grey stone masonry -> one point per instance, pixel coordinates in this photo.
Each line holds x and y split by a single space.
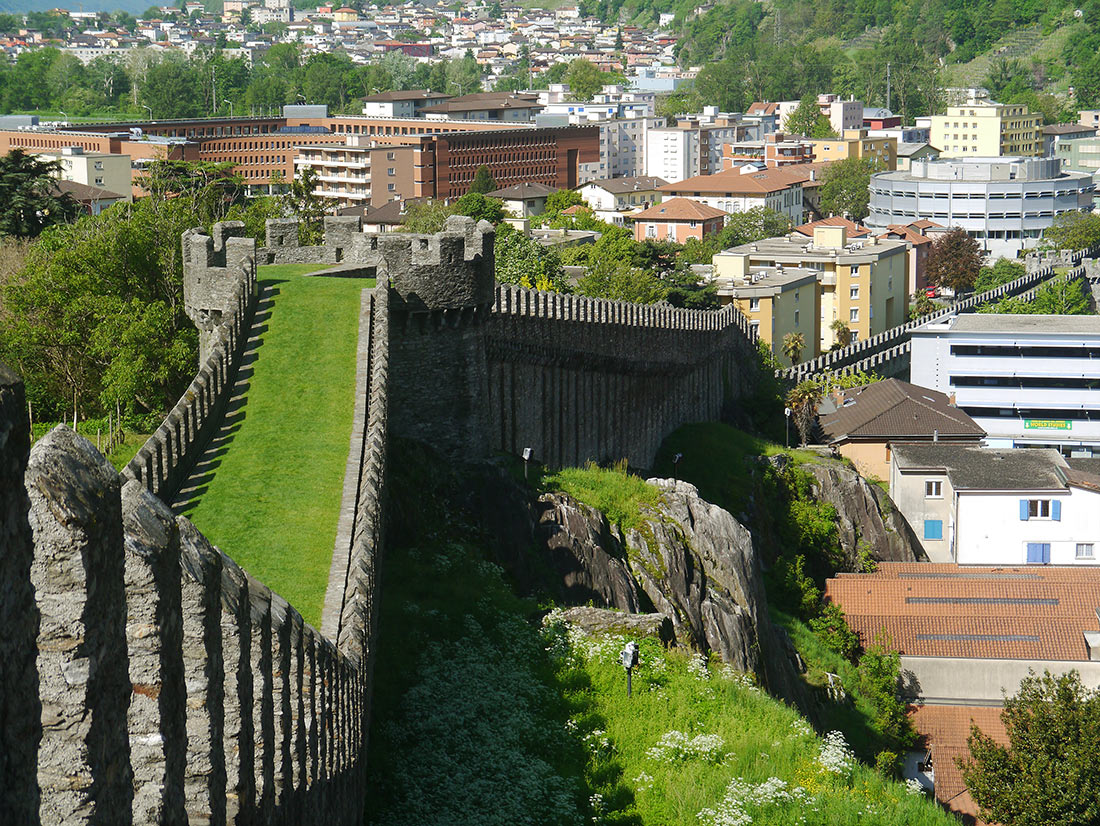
83 761
20 707
344 243
213 269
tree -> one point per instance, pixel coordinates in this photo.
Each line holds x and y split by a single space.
426 216
920 304
807 119
1059 296
621 281
846 188
793 345
1048 772
477 206
557 201
1073 231
1002 272
841 332
29 198
171 90
584 79
954 260
483 181
301 202
803 400
524 261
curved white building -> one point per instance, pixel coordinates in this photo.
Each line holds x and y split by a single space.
1005 203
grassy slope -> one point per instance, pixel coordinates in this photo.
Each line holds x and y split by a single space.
274 500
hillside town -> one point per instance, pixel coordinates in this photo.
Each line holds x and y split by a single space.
922 288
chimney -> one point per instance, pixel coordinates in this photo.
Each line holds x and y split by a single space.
935 435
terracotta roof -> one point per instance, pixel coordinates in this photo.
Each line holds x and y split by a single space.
408 94
679 209
924 223
895 409
854 229
576 209
944 730
975 612
733 181
762 108
905 233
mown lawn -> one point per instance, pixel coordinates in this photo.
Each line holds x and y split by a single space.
274 498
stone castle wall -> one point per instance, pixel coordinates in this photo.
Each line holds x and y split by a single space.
145 678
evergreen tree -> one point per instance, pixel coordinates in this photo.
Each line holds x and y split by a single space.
483 181
29 198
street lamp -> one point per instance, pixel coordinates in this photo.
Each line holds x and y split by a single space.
148 109
526 459
227 100
629 659
787 414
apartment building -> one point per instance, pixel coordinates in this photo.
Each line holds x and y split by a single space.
1028 380
745 188
984 130
862 283
694 146
100 170
615 199
856 143
354 174
777 301
491 106
677 219
1005 203
401 104
775 150
1056 134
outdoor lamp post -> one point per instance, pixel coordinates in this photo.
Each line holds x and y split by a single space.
629 659
675 464
526 459
787 428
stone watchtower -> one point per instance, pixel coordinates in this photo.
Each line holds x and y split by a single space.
441 289
213 270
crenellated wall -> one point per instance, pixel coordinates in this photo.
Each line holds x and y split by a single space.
344 243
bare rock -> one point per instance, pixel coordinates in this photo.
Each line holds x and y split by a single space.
603 621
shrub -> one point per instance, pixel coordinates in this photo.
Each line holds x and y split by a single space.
879 675
794 589
833 630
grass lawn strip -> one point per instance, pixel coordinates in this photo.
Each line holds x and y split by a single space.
274 500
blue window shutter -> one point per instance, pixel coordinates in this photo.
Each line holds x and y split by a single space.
1034 552
1046 553
1056 509
1023 510
933 529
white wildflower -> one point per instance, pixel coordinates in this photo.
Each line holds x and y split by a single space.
835 756
675 745
914 786
698 667
801 728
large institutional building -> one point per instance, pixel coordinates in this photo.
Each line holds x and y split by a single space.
987 129
1005 203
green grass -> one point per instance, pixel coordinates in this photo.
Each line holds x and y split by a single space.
621 496
718 459
274 499
124 451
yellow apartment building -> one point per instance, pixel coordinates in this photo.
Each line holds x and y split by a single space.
987 130
855 143
777 301
862 283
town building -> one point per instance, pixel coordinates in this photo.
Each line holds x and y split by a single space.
985 506
856 143
778 301
677 219
406 104
775 150
987 129
614 200
1079 154
864 423
1057 133
909 152
1027 380
524 200
862 283
492 106
967 636
745 188
919 236
100 170
694 145
1005 203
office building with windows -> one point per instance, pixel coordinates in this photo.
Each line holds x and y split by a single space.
1027 380
1005 203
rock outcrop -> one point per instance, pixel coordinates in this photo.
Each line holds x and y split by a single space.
605 621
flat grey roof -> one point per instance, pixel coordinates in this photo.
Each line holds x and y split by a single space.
977 468
1011 323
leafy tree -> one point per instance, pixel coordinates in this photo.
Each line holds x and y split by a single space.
557 201
1002 272
301 201
954 260
1048 772
920 304
477 206
523 261
463 76
793 588
426 216
741 228
879 679
845 188
483 181
584 79
29 198
803 400
171 90
1059 296
1073 231
793 345
619 280
807 119
255 212
833 630
208 189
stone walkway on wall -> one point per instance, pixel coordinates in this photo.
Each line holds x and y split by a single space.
337 578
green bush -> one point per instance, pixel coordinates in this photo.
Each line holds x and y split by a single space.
833 630
793 589
879 677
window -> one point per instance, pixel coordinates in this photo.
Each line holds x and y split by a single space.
933 529
754 304
853 315
1038 553
390 156
391 171
1084 550
391 187
99 182
933 490
796 318
853 293
651 231
1040 509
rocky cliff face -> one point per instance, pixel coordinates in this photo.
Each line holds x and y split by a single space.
690 561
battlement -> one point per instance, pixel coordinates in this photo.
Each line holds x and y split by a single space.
344 242
213 270
451 270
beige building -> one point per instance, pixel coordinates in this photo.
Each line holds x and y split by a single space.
778 301
352 174
856 143
94 169
987 130
863 284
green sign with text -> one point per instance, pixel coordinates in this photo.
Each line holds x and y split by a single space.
1048 424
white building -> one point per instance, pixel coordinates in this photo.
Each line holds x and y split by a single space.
981 506
1005 203
694 146
94 169
615 198
1028 380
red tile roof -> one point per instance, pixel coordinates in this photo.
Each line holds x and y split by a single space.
679 209
944 730
947 610
733 181
854 229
